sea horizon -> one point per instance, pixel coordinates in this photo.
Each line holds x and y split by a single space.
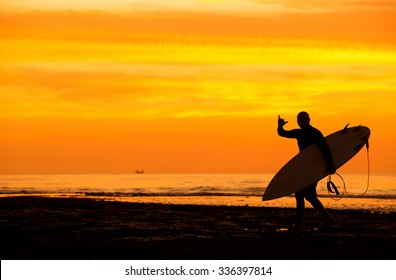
230 189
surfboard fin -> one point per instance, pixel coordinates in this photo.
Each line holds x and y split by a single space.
357 128
345 128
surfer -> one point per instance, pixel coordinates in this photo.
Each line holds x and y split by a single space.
306 136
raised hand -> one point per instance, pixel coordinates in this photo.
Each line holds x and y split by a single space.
281 122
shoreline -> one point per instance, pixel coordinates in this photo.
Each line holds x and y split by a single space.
374 204
82 228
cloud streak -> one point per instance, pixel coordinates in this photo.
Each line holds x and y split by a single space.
158 91
235 7
99 65
157 79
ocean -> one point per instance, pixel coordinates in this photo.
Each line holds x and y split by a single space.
208 189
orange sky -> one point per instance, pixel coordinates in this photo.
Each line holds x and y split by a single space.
190 86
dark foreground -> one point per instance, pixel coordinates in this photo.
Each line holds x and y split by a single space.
66 228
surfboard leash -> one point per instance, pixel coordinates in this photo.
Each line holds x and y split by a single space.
368 168
331 187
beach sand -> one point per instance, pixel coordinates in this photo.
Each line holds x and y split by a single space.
70 228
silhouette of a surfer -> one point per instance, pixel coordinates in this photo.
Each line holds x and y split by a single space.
306 136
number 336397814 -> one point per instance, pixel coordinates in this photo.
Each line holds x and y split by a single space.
245 270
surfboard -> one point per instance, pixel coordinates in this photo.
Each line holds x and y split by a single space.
309 166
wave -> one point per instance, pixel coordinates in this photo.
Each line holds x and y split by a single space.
118 194
204 192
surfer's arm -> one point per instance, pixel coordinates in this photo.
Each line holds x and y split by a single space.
328 156
287 133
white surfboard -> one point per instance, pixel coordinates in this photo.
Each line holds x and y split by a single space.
310 165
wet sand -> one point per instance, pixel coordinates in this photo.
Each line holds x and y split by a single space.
67 228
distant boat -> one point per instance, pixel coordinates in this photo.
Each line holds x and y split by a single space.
139 171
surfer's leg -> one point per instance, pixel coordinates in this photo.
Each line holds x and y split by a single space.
312 197
300 204
319 207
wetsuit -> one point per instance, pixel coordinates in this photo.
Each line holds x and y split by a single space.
305 137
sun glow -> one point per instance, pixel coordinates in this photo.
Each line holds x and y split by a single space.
191 78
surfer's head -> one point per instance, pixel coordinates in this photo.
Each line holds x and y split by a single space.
303 119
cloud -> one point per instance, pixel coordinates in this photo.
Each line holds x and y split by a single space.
191 28
128 6
328 6
100 65
235 7
181 91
